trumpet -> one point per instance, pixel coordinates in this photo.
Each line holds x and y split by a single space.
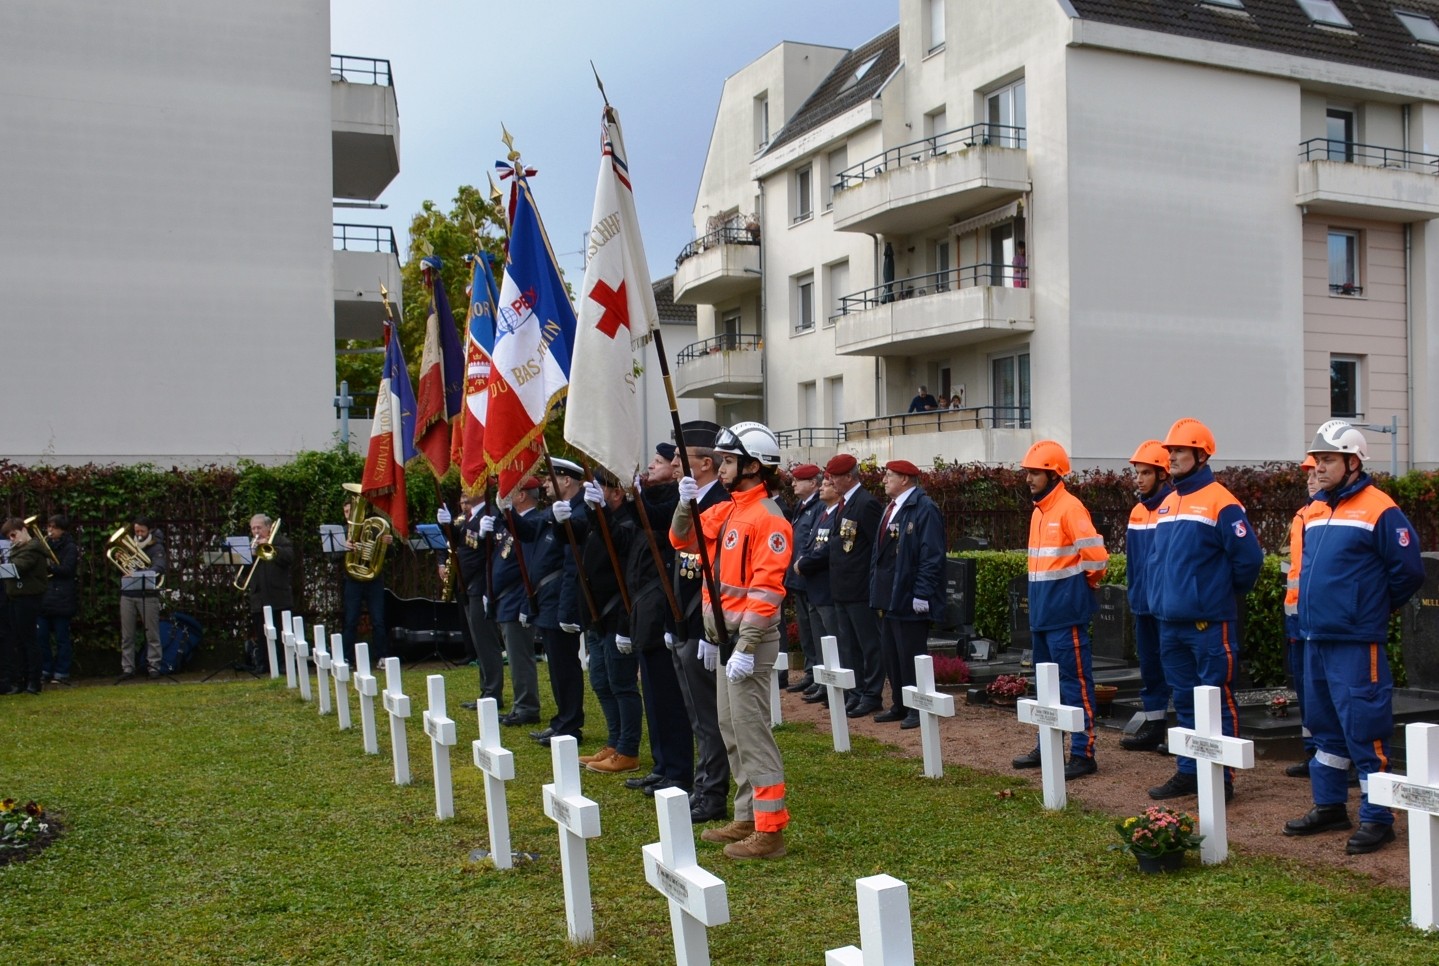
366 536
33 525
259 551
128 554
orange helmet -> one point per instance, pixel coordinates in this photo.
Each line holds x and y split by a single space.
1046 455
1192 433
1308 462
1151 452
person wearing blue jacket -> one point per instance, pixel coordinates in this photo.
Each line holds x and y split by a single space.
1205 558
1360 563
906 581
509 603
803 516
1151 473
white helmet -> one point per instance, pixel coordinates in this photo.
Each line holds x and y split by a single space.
1338 436
749 440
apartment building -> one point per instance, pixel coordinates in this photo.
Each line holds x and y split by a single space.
1082 219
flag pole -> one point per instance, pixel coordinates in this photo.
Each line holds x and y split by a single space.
574 543
604 525
655 554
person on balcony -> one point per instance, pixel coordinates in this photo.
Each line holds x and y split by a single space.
923 401
1019 266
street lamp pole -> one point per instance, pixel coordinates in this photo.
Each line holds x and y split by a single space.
1392 429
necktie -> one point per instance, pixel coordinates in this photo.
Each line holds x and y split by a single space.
888 513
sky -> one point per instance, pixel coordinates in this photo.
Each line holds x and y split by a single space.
463 67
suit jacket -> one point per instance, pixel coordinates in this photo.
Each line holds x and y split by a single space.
851 548
803 520
909 560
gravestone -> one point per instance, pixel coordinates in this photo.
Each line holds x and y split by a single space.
781 664
957 617
1419 794
578 819
322 669
835 679
441 730
1053 719
302 659
1211 750
270 636
969 543
397 704
341 672
1420 622
697 898
1112 635
287 638
366 687
932 704
498 765
1019 636
885 935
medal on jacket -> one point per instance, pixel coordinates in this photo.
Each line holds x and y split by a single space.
821 536
472 539
847 532
894 530
507 547
689 565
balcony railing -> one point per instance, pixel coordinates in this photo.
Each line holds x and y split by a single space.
810 436
729 235
720 343
1331 149
365 238
361 70
998 135
939 421
918 286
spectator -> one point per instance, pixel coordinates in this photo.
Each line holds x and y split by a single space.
922 401
1019 266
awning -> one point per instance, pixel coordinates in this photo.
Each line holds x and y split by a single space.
994 217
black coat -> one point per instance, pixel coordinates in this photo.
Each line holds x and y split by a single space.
803 521
61 597
271 583
851 548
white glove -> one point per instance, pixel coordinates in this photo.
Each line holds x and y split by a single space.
570 628
524 619
689 490
624 645
487 526
669 640
594 496
708 655
639 482
561 511
740 666
442 516
920 605
505 504
485 603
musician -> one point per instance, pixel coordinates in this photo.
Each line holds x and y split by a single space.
140 600
270 584
366 594
24 590
60 602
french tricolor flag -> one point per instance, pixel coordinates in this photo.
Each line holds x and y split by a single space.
392 437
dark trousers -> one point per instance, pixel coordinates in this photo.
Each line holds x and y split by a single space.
901 642
24 612
614 677
489 653
701 697
806 616
56 664
858 634
1154 687
671 738
370 595
1069 648
567 681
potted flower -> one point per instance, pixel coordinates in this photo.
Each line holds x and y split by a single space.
1006 689
1158 838
1279 706
24 830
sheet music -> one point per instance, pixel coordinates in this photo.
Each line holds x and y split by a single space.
332 538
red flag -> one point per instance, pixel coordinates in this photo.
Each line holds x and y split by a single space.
441 374
469 440
391 438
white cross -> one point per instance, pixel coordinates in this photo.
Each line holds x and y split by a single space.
1419 794
835 679
578 819
302 659
697 898
884 929
1212 750
366 687
287 635
270 642
322 669
498 765
341 671
1053 719
441 729
932 704
397 703
781 663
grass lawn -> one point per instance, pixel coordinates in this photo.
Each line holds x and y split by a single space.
229 823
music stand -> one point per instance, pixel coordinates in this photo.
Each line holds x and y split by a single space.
146 582
332 539
429 538
234 552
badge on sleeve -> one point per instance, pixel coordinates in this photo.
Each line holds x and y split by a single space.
1240 530
777 542
1403 534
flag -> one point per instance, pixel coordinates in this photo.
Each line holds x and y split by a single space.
391 437
617 317
441 375
534 340
469 441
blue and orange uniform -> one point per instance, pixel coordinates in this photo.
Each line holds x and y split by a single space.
1139 542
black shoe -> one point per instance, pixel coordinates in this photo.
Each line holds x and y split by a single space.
1322 818
1027 760
662 783
1300 769
851 701
644 781
863 708
1150 736
803 684
154 675
911 720
125 675
711 812
549 733
1371 837
543 737
33 689
815 697
513 720
1178 786
469 705
1079 766
893 714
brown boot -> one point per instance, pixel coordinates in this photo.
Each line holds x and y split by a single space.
615 764
760 845
733 832
600 755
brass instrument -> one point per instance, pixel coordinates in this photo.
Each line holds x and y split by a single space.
33 525
259 551
128 554
366 535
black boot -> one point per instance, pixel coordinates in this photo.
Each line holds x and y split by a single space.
1371 837
1300 769
1178 786
1320 818
1151 735
1030 760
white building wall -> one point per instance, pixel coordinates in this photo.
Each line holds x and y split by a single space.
165 185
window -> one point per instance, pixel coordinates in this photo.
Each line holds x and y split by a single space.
730 329
941 265
1344 387
1339 131
934 25
1421 26
1005 112
835 162
836 288
834 389
1344 263
1009 389
761 121
804 302
859 73
1324 12
1234 4
803 196
808 404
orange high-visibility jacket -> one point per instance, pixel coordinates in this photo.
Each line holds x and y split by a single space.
1067 560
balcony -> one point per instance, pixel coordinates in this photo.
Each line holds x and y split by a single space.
726 366
933 181
1367 181
718 266
986 434
364 126
941 310
366 257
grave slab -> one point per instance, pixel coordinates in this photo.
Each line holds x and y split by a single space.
781 664
270 636
341 671
367 688
322 669
836 680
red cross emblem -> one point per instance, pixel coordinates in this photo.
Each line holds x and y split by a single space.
616 305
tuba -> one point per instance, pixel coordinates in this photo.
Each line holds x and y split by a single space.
366 536
38 535
128 554
259 551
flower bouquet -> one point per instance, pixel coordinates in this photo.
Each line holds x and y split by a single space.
1279 706
1007 689
1158 838
22 828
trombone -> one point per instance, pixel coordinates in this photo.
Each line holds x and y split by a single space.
33 525
259 551
128 554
